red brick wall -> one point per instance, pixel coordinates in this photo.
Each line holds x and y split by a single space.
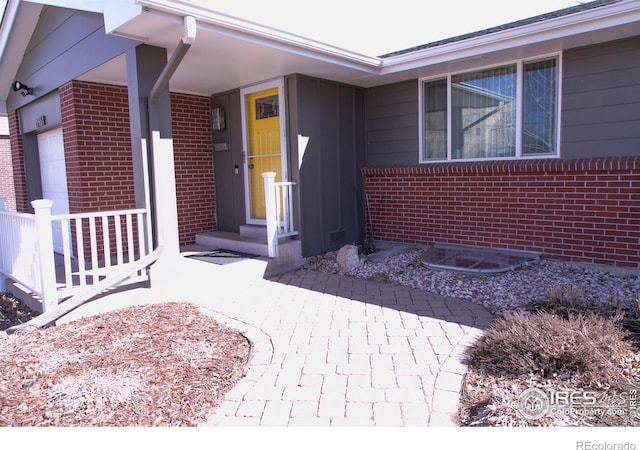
17 156
7 189
97 143
578 210
97 140
193 159
98 154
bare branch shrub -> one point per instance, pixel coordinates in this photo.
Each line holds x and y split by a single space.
581 347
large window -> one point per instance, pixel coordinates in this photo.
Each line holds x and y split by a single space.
509 111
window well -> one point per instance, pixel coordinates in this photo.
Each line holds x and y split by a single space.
475 260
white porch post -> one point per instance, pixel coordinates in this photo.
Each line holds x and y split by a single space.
272 215
44 257
165 196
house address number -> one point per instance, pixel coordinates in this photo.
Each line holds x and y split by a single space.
41 121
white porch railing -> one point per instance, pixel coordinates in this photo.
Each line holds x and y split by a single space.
94 245
19 251
279 205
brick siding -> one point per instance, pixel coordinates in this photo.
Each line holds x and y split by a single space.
17 157
578 210
98 158
193 161
7 189
97 141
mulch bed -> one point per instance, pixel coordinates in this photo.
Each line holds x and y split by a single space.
155 365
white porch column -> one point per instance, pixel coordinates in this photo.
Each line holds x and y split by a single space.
45 258
272 214
151 135
165 196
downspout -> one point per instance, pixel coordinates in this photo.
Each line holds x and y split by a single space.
188 38
161 83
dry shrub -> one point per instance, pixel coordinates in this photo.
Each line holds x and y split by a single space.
553 352
579 347
563 301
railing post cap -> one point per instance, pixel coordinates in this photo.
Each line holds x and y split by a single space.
268 175
42 203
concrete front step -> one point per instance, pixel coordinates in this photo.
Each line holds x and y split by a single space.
232 241
254 231
288 251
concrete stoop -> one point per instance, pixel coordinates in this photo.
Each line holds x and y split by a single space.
252 240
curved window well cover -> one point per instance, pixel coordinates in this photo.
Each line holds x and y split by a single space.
475 260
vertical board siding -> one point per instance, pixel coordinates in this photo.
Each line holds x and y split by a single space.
331 180
229 186
329 175
578 210
311 186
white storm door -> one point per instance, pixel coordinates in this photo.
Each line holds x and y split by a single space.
53 172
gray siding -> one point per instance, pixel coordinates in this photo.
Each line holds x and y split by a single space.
230 202
329 201
49 107
600 108
330 184
66 43
601 100
392 124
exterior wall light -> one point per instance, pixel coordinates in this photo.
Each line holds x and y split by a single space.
19 86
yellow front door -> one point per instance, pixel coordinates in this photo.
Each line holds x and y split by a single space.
264 151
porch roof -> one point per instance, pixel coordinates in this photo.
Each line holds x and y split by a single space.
230 51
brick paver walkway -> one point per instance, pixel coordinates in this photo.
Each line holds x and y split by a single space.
332 350
328 350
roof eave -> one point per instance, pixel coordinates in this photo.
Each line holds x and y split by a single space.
271 37
14 41
558 28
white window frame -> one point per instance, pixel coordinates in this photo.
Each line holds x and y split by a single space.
519 102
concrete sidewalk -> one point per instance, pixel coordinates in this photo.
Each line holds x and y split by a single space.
329 350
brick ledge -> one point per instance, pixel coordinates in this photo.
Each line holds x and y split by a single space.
613 164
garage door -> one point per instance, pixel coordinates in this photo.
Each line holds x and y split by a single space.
54 178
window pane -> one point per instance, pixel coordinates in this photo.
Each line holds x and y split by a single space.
483 113
539 107
267 107
435 119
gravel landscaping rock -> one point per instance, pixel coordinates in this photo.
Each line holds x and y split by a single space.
511 291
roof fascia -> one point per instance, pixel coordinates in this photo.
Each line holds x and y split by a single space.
560 27
119 12
254 32
81 5
14 40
